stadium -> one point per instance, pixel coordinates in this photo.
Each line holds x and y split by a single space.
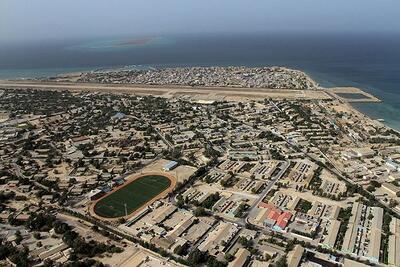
139 192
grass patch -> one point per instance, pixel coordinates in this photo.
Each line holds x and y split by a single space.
134 195
303 206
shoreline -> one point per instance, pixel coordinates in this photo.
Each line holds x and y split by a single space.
231 94
369 98
355 110
359 113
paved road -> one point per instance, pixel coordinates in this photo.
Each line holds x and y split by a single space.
171 90
164 139
18 173
339 173
264 193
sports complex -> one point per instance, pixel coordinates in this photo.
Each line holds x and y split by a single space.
138 192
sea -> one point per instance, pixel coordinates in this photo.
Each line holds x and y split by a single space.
368 61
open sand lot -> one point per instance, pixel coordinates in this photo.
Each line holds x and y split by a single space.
3 116
205 93
180 173
352 94
134 256
142 258
311 198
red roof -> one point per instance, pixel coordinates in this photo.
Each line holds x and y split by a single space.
283 220
274 214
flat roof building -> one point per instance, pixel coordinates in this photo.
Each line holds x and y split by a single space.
359 230
394 243
241 257
333 230
294 256
170 166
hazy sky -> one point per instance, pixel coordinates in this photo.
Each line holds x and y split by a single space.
55 19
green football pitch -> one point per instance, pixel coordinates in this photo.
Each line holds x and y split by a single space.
134 195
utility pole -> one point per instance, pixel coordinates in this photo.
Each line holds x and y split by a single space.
126 212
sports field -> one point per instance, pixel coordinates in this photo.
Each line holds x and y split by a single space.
134 195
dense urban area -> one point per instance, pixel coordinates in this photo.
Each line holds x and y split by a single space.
266 77
103 179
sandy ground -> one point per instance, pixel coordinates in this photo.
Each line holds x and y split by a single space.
3 116
342 108
84 229
310 197
204 93
181 173
121 258
63 171
136 257
352 90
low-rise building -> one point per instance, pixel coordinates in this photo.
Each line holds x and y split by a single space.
241 258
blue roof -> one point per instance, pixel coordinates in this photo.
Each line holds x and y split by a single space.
170 164
119 115
106 189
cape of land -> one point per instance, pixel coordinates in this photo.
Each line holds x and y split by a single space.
265 77
199 83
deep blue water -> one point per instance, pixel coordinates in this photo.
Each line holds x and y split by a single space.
371 62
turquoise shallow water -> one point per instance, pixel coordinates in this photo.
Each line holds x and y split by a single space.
382 82
370 62
121 44
39 72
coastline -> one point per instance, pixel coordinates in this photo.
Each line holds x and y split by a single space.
384 109
63 72
361 114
